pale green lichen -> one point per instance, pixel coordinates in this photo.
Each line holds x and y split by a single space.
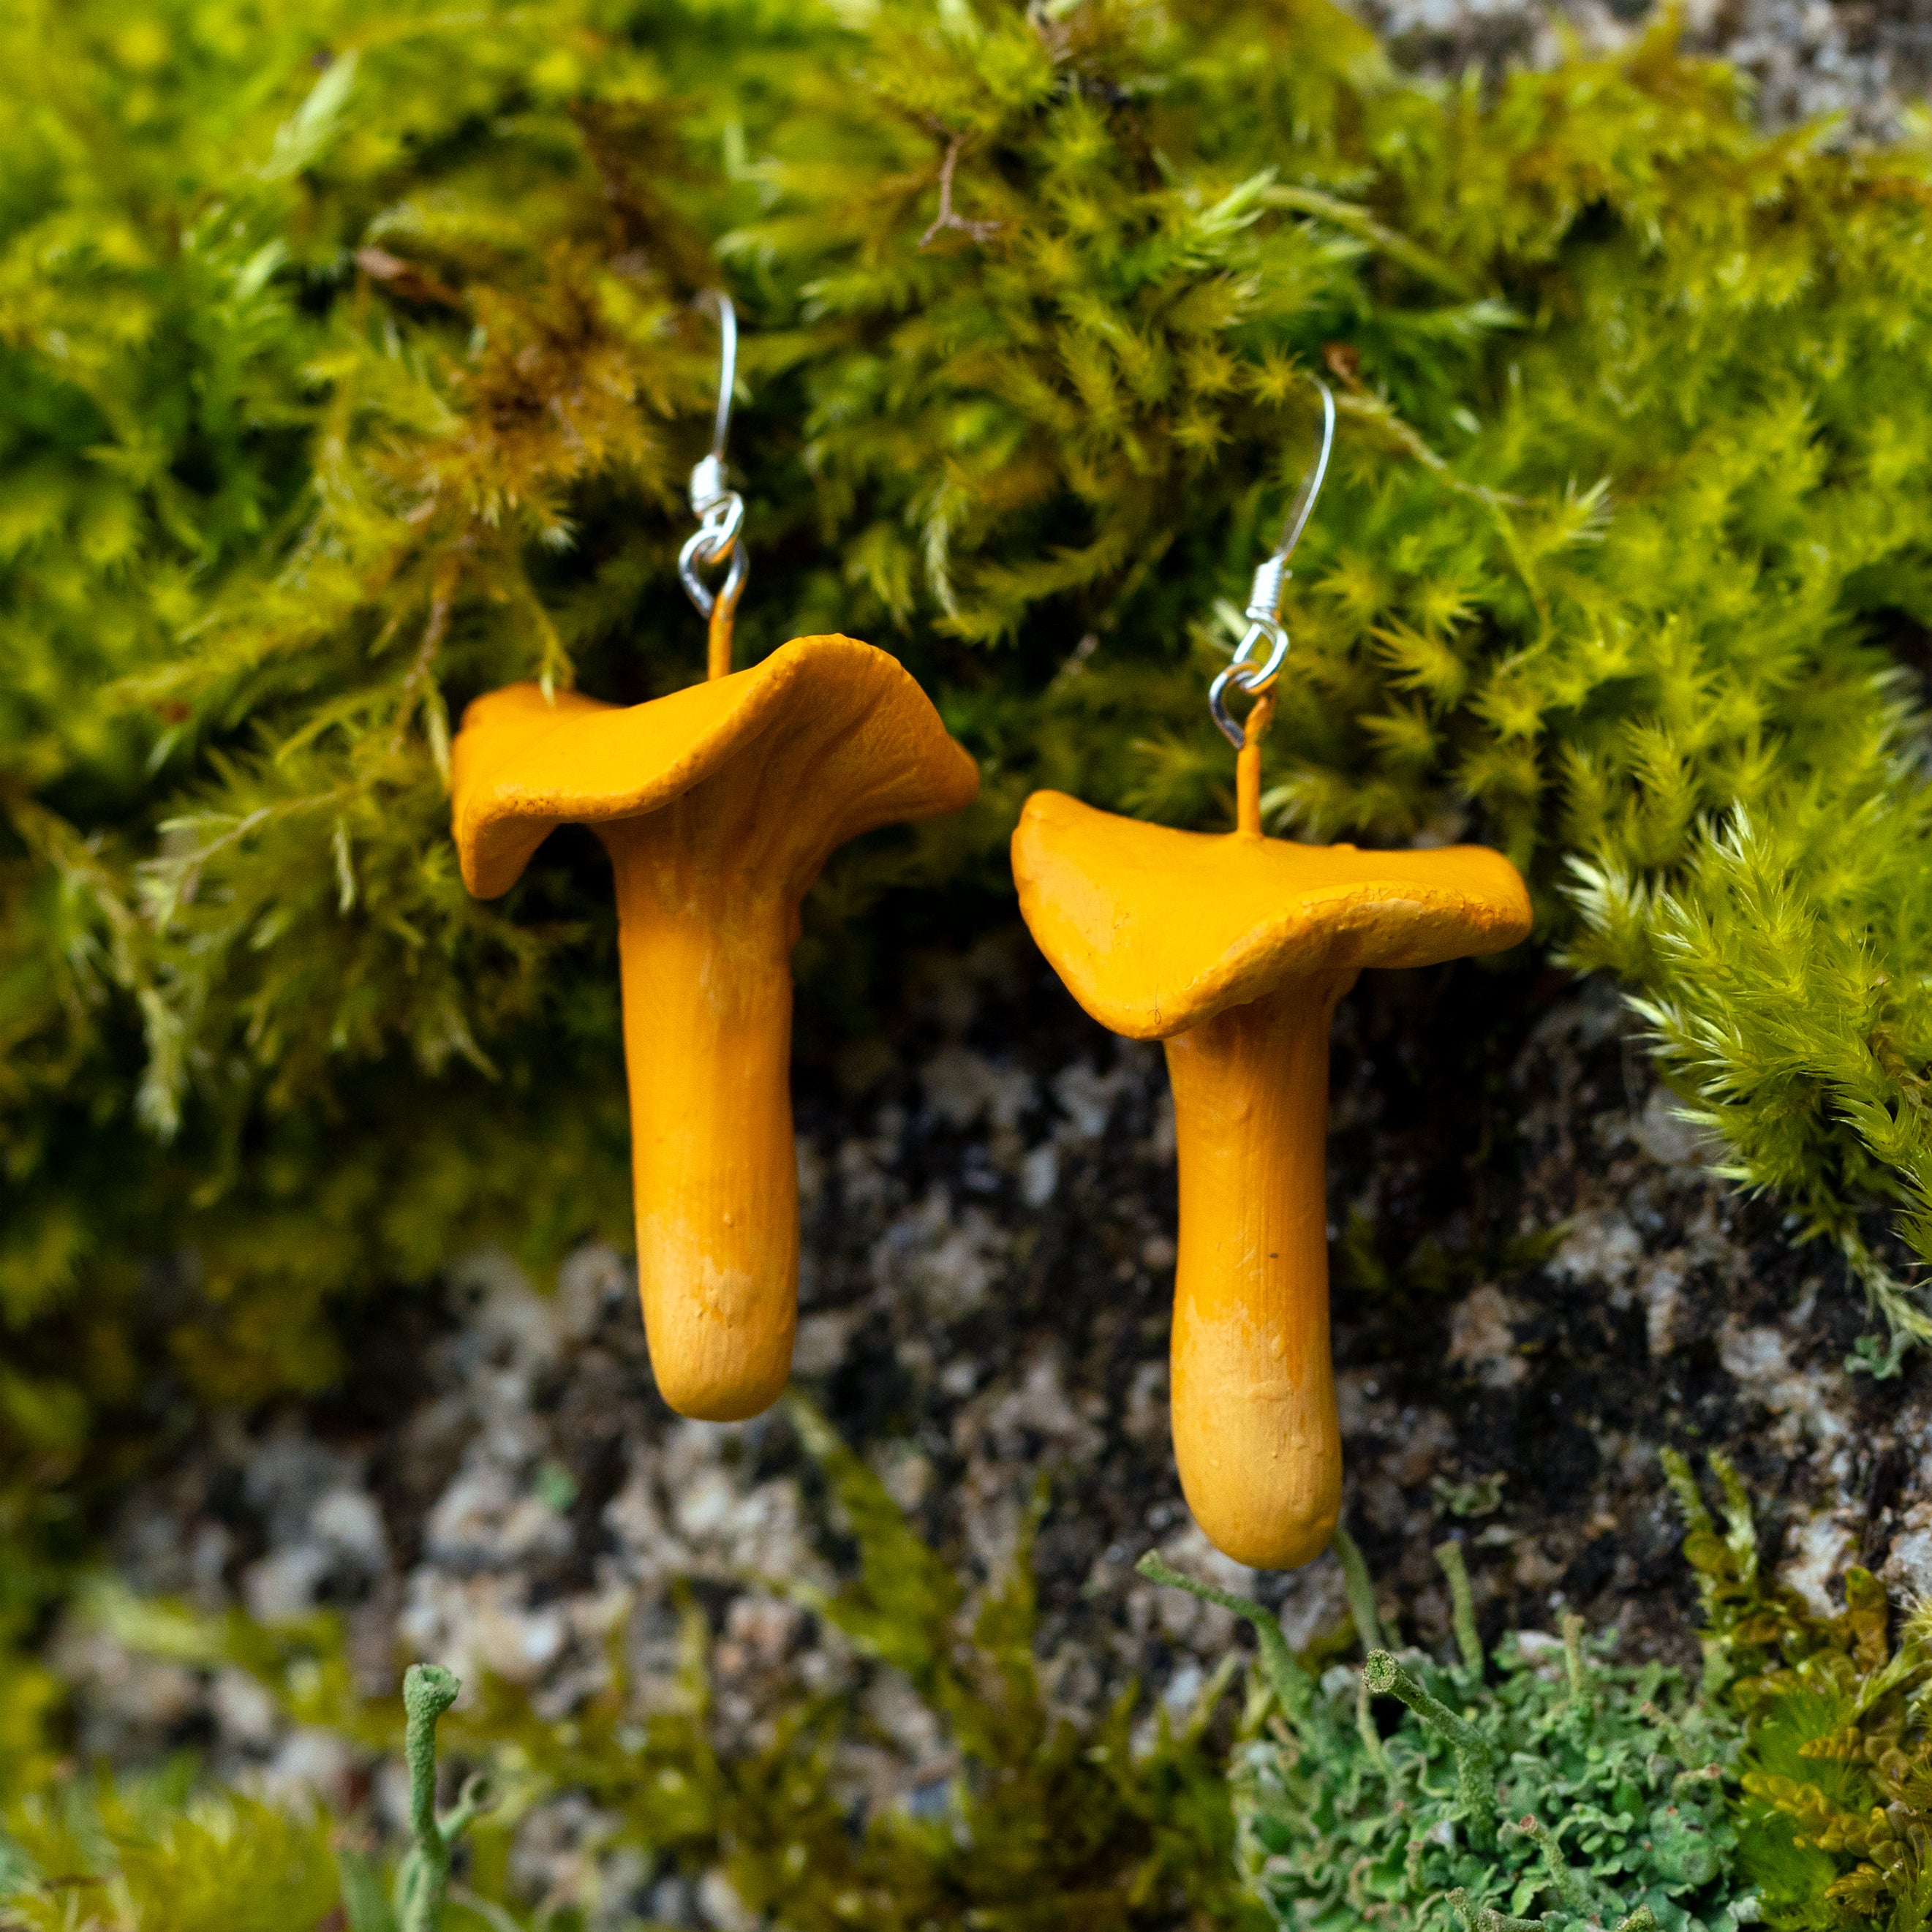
1541 1775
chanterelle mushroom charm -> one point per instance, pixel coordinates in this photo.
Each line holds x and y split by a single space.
1233 950
718 805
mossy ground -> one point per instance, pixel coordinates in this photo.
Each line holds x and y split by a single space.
350 371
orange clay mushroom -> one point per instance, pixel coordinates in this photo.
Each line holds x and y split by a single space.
717 805
1233 950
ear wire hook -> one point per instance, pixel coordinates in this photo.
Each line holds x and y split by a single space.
1264 595
719 508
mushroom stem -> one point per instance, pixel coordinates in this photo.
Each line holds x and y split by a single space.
1253 1394
707 971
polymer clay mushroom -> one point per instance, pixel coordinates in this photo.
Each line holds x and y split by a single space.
718 806
1233 950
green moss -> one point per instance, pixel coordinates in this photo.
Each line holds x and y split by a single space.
1540 1784
29 1697
1836 1770
157 1856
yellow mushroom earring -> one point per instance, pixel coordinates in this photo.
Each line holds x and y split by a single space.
718 806
1234 949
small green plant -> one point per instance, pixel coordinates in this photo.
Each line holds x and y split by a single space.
422 1879
165 1854
1835 1825
1541 1775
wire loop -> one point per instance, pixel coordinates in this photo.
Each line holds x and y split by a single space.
718 508
1265 594
699 548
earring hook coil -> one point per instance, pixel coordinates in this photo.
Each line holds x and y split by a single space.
718 508
1265 594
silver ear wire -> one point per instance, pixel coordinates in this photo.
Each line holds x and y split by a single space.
1264 595
718 508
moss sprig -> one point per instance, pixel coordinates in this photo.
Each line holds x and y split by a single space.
1836 1772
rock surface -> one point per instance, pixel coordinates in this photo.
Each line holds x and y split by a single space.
1868 61
1539 1283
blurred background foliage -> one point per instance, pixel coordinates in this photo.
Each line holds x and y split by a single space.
349 371
1119 1820
1787 1788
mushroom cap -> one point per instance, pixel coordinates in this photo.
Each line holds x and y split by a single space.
1155 930
838 735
